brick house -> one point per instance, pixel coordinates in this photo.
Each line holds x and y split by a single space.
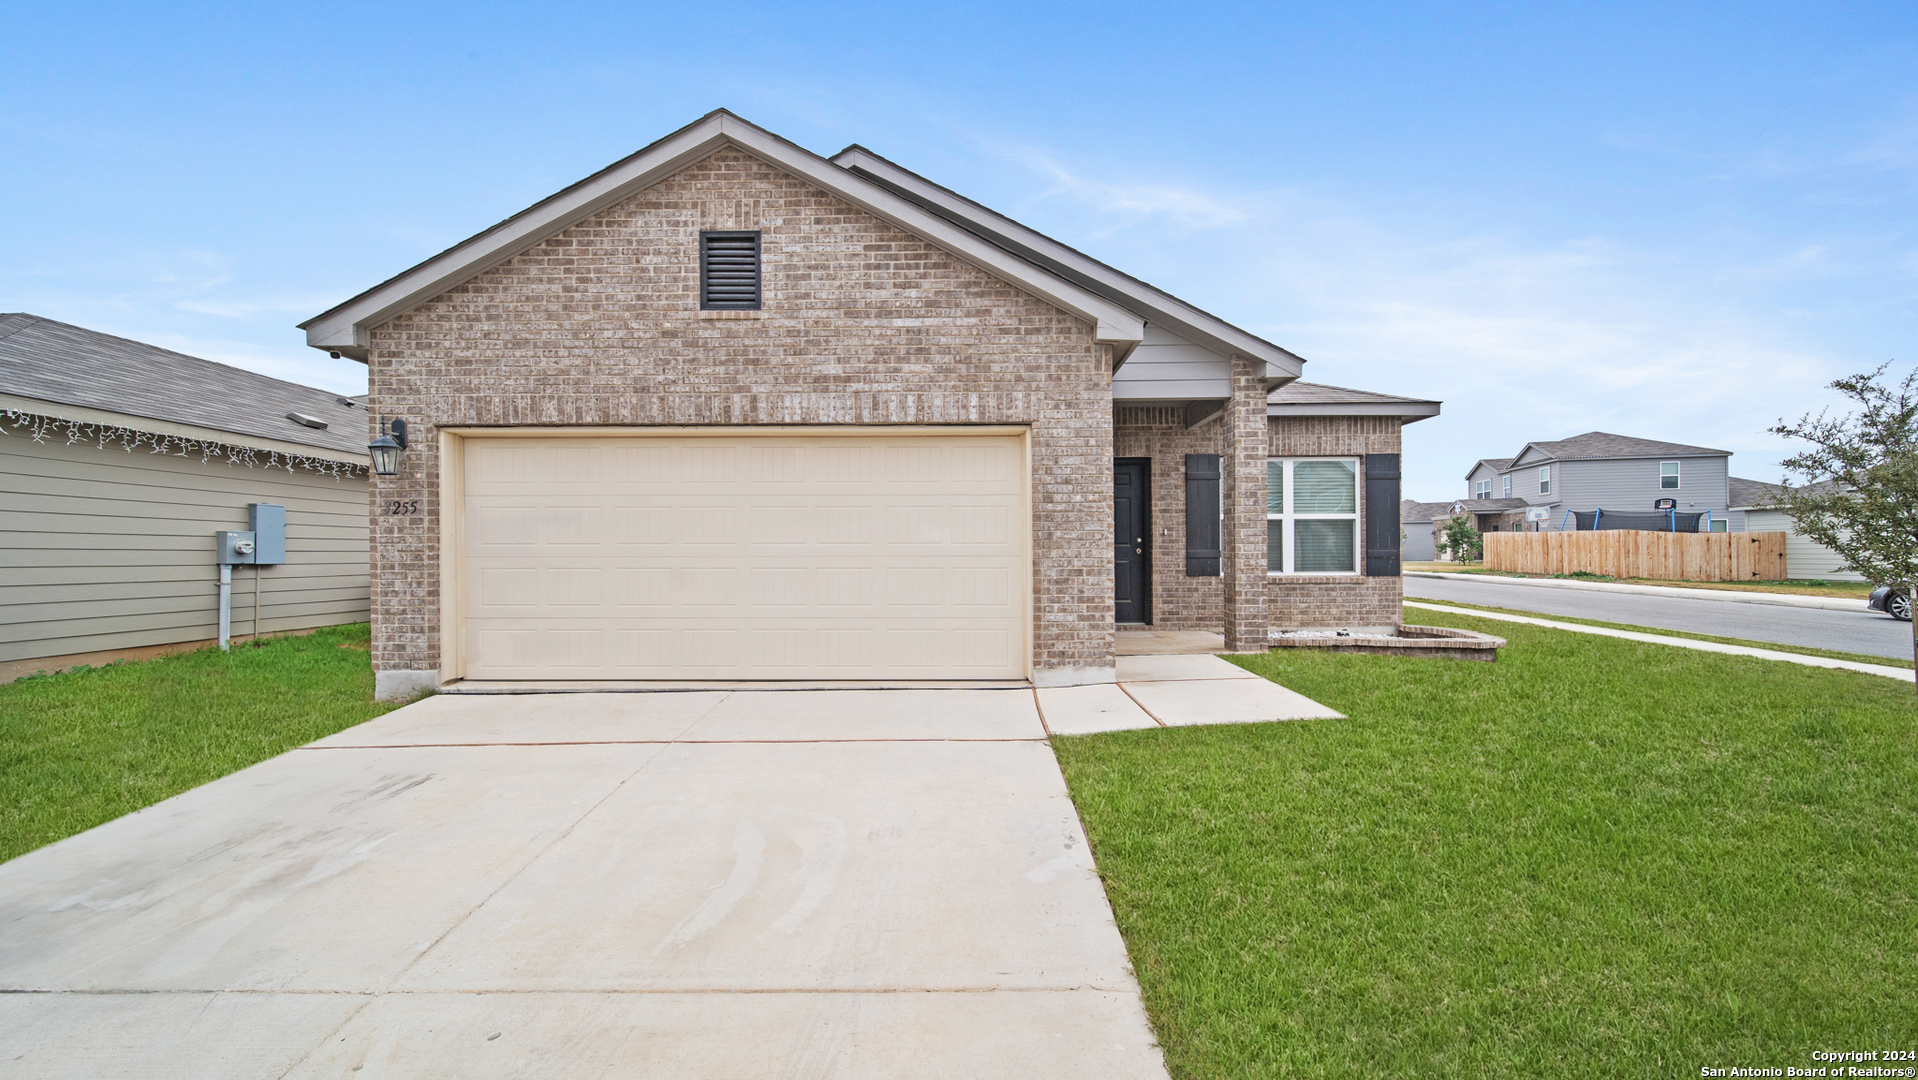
731 410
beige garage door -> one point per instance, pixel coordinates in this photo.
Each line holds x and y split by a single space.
745 557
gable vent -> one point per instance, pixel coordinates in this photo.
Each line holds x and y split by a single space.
728 271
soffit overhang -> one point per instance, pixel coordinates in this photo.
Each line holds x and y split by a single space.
347 328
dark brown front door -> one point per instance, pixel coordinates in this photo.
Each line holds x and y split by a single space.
1132 540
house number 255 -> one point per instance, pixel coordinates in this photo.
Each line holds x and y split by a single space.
401 507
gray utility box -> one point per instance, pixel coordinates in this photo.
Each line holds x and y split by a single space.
268 523
234 548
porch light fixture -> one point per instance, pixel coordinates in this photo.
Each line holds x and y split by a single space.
385 450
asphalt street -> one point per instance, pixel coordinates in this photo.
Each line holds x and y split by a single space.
1869 632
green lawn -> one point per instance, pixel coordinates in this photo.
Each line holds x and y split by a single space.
1592 858
88 746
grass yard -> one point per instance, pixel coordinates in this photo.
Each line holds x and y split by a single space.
1592 858
88 746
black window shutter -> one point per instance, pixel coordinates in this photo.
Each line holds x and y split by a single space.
1382 515
729 271
1202 539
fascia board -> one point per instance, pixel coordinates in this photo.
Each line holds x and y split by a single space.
168 427
1164 309
1410 412
346 328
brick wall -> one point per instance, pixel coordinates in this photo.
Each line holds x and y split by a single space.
1320 602
863 324
1196 603
1159 432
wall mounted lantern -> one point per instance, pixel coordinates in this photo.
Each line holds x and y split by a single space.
385 450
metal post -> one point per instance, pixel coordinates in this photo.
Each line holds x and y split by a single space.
226 605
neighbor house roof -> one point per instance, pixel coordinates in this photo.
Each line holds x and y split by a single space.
345 327
1413 512
1758 495
1498 464
1486 506
46 362
1318 399
1600 445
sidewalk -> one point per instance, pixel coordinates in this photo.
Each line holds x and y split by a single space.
1725 596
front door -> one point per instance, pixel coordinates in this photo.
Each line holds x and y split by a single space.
1132 540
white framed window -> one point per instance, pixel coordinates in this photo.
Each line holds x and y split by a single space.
1482 490
1668 475
1508 487
1312 516
1544 479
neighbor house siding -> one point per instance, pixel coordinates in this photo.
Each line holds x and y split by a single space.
1417 543
1631 484
101 549
1804 557
862 324
1302 602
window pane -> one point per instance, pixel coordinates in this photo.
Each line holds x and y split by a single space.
1323 547
1275 487
1274 545
1324 487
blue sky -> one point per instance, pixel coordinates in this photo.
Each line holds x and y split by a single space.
1673 221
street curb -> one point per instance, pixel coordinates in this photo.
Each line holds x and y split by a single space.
1723 596
1901 674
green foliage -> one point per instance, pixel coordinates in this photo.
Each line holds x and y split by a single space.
1592 858
1860 491
1460 540
84 747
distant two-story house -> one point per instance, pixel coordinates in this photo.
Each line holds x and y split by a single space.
1601 471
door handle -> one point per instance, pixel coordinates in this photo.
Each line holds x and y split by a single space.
1138 551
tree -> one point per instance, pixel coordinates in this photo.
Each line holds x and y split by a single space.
1460 540
1859 495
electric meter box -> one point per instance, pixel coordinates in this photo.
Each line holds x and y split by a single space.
235 548
268 523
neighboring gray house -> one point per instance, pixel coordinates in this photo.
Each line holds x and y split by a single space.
1599 470
1804 557
1416 520
119 461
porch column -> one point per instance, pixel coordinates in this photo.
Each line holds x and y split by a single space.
1244 456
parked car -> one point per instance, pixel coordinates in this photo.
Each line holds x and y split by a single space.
1892 602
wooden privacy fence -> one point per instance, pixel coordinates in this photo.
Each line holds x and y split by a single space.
1629 553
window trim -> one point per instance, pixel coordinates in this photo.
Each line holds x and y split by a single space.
1674 474
1482 489
759 270
1286 517
1544 479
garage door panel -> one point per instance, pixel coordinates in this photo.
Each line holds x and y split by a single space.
738 558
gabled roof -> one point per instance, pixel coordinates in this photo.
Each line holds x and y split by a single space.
1159 307
1498 464
1487 506
1600 445
344 328
1758 495
59 364
1318 399
1414 513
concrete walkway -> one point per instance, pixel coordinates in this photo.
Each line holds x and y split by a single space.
1886 670
720 884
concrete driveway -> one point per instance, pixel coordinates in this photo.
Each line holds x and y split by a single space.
703 884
